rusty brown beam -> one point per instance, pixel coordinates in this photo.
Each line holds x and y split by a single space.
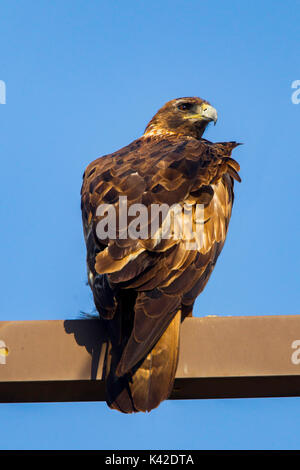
220 357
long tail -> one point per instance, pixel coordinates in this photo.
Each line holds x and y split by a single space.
152 380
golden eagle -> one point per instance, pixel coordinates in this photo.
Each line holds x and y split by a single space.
144 287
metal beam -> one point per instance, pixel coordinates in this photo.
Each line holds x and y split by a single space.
220 357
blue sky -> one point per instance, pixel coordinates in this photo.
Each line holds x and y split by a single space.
83 78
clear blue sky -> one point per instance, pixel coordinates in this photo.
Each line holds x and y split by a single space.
82 79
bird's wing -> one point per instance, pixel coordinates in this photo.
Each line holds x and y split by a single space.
163 273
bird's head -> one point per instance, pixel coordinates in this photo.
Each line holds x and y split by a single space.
182 116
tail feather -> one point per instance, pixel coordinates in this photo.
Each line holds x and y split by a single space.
151 381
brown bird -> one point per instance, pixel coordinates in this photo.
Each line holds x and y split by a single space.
145 285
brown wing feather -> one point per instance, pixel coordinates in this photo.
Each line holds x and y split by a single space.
156 277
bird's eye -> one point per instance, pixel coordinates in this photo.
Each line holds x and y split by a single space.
184 106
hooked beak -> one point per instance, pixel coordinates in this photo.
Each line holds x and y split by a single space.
209 113
206 112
